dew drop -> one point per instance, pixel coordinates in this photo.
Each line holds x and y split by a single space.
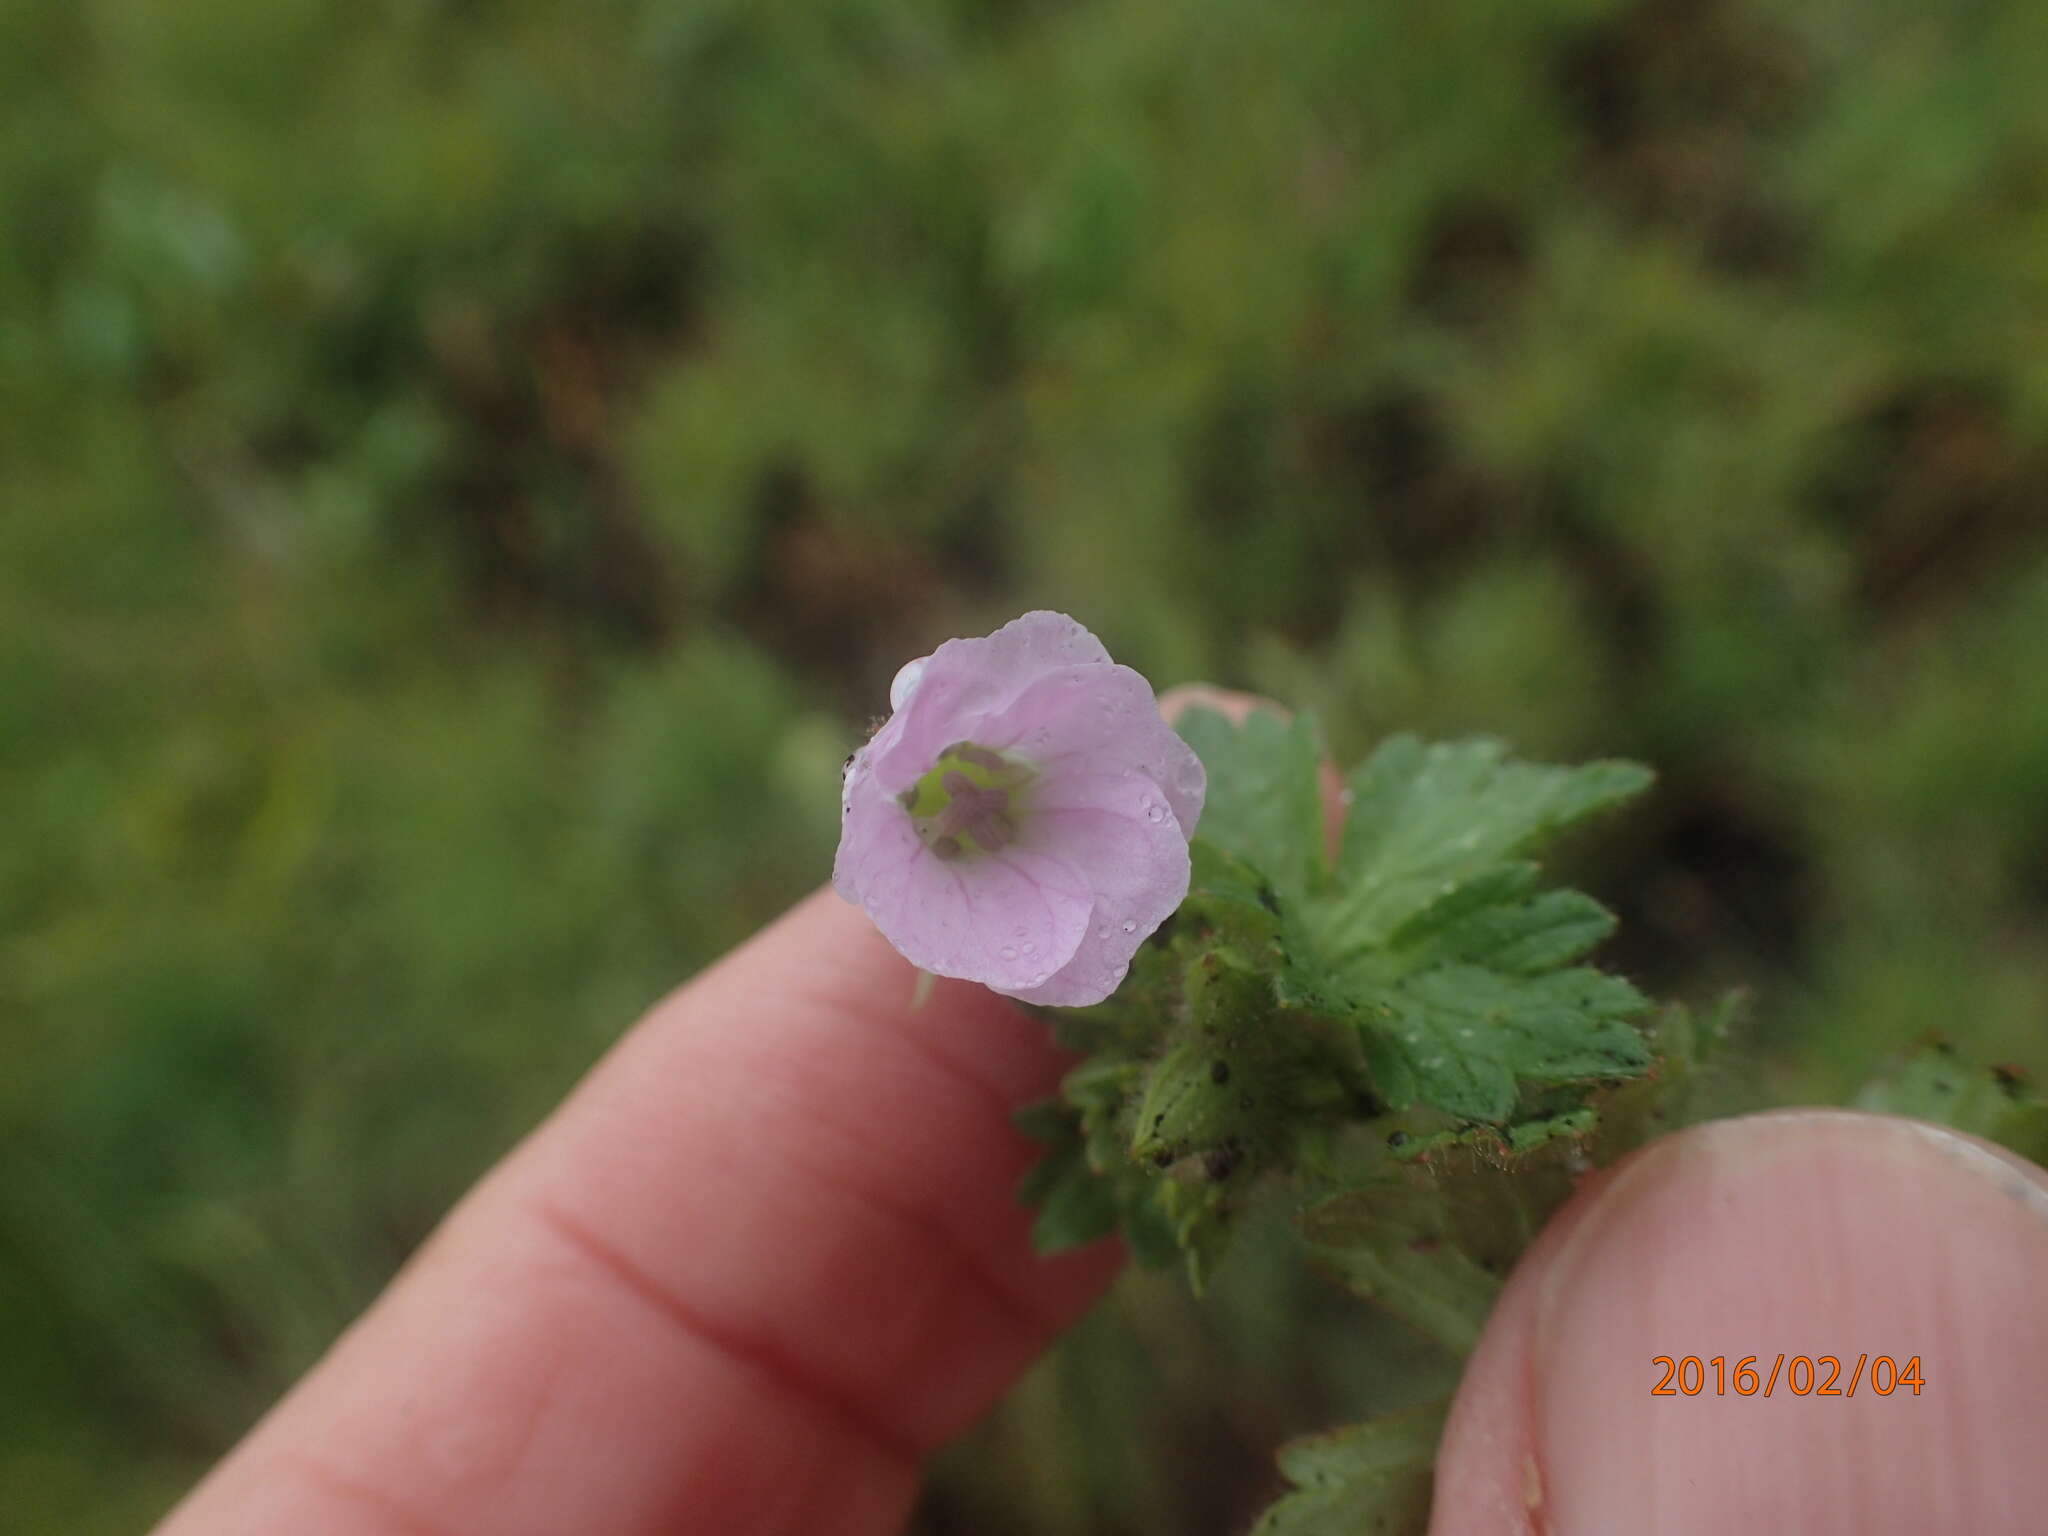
1154 811
1008 951
1030 948
1130 925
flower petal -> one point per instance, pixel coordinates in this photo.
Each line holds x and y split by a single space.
1120 833
1009 920
965 681
1093 720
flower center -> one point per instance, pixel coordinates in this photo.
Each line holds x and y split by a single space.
967 800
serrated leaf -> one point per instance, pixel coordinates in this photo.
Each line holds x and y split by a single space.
1425 819
1264 803
1490 921
1386 1244
1461 1038
1370 1479
1501 1146
1433 1240
1933 1083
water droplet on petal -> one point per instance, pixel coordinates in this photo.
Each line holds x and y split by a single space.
1008 951
1020 931
1030 948
1130 925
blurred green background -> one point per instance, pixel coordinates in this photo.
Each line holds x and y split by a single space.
469 469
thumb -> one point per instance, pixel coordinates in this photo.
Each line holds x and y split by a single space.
1806 1234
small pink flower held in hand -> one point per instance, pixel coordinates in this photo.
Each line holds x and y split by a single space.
1023 818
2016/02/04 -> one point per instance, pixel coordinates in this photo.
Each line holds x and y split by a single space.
1803 1376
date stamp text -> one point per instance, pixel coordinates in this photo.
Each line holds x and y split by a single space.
1800 1375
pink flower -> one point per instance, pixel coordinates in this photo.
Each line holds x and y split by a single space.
1023 818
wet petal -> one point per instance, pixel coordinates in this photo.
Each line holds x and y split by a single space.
1121 834
1096 720
964 682
1047 896
1008 920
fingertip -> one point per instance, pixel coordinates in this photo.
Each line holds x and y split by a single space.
1233 705
1811 1235
767 1254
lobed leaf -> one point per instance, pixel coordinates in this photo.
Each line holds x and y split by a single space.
1933 1083
1460 1037
1370 1479
1264 802
1425 819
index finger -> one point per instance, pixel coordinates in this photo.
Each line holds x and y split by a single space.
761 1261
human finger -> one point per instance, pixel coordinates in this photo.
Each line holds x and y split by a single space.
1836 1239
761 1261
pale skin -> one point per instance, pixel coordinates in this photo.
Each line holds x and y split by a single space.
765 1259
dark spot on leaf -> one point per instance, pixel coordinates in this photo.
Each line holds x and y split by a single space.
1398 1139
1219 1072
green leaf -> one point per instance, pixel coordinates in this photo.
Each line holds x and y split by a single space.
1231 906
1433 1239
1264 803
1075 1205
1370 1479
1933 1083
1492 920
1425 819
1386 1244
1459 1037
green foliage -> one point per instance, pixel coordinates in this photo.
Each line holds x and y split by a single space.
1993 1102
1370 1479
1424 821
1264 804
1406 1036
468 472
1460 1038
1273 1017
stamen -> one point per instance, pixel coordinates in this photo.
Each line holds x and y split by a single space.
965 801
